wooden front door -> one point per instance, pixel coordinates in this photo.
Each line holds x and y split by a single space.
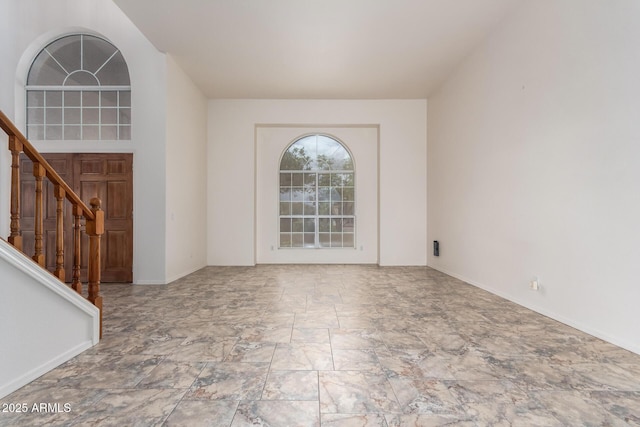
107 176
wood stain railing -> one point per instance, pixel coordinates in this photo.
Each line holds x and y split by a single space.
94 216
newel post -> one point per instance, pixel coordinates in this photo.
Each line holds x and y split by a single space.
95 229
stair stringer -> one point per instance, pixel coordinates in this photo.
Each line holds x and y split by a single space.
43 322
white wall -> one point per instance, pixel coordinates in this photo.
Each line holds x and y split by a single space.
43 323
186 179
534 165
27 26
232 162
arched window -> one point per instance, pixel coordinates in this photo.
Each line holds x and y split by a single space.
317 194
78 88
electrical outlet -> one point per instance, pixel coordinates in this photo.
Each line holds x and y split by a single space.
534 284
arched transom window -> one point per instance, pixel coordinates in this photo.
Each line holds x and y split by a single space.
78 88
317 194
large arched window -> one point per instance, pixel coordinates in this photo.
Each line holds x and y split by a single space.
317 194
78 88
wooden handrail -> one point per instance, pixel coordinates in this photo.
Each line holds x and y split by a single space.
33 154
94 216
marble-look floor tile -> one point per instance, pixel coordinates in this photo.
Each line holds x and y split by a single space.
204 349
291 385
317 335
354 339
577 408
277 413
353 420
429 420
205 413
172 374
624 405
230 381
302 356
355 392
245 351
112 372
422 396
356 360
332 345
133 407
267 334
500 402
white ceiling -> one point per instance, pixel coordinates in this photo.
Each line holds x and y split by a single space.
309 49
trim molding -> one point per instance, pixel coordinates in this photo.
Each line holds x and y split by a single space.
632 347
6 389
30 268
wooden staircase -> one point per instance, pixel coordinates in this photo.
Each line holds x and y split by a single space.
93 217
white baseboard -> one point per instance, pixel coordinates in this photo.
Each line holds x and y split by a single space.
24 379
633 347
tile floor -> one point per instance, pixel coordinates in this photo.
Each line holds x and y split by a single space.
332 346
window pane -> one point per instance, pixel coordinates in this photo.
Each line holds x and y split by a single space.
91 132
309 240
71 99
297 208
324 208
109 99
297 179
72 133
309 195
324 179
109 116
310 179
348 224
125 132
297 240
124 97
35 98
347 194
35 116
67 52
285 225
90 116
35 132
285 179
114 72
125 116
336 240
96 52
285 240
53 116
285 194
45 71
54 99
309 225
109 133
90 99
80 78
348 208
297 225
347 240
325 240
324 225
72 116
309 208
53 132
285 208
